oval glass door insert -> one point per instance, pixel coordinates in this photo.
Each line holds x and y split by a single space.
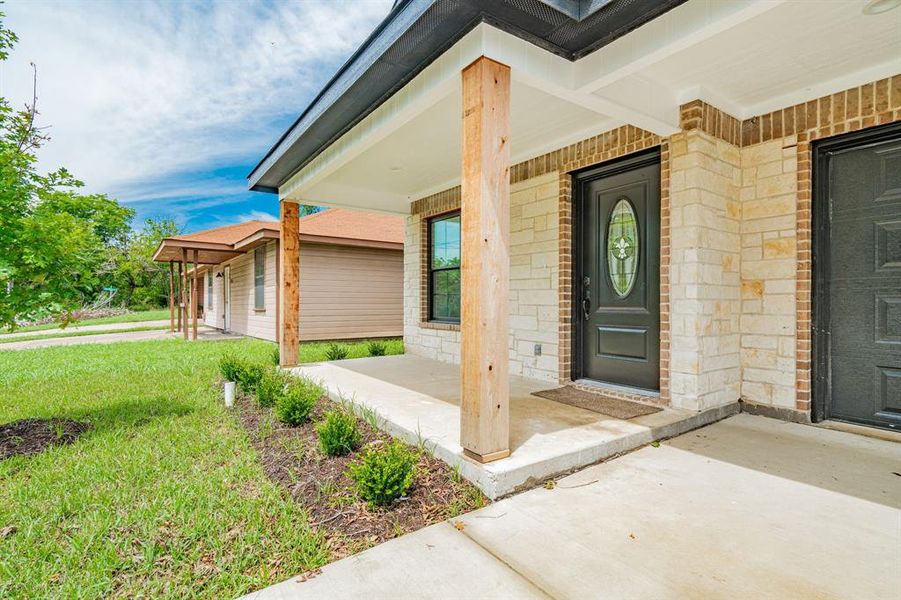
622 247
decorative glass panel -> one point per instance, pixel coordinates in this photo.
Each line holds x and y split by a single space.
622 247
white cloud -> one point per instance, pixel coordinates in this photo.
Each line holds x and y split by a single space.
138 92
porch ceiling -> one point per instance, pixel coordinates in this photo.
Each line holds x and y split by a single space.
744 57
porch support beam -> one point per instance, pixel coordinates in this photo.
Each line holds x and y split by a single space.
289 281
185 294
485 214
171 297
195 296
177 295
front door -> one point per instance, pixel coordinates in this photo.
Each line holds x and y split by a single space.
617 273
226 299
858 278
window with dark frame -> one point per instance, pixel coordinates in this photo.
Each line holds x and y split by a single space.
444 268
259 278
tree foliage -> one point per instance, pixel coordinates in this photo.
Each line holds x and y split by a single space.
56 244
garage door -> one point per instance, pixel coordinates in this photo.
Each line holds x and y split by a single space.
858 278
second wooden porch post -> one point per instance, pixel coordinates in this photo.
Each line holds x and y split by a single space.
485 214
289 280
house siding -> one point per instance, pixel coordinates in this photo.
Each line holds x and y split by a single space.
350 292
347 292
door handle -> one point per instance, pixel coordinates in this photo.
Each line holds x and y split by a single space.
586 298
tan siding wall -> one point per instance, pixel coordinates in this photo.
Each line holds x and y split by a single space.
244 319
345 293
350 292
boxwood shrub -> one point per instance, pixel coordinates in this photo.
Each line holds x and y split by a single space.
338 433
384 473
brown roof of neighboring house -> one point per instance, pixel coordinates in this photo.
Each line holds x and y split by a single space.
333 225
229 234
354 224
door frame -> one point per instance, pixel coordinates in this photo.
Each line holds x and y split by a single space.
579 180
226 298
821 359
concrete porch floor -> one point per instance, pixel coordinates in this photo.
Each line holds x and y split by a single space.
419 399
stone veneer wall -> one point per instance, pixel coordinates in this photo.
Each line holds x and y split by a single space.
776 195
534 306
735 284
768 265
705 249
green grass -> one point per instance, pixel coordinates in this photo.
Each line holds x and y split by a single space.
315 351
164 497
132 317
75 333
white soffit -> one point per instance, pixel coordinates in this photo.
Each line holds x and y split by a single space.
793 52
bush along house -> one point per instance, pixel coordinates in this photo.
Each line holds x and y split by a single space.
693 205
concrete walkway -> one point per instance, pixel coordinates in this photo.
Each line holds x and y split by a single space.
77 328
203 333
749 507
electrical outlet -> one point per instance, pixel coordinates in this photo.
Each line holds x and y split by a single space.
537 349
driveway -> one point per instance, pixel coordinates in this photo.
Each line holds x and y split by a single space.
78 328
748 507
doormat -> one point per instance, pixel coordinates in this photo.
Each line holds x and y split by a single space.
597 402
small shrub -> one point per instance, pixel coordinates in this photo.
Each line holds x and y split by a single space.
338 434
294 407
377 348
384 474
271 388
230 367
249 376
275 355
336 352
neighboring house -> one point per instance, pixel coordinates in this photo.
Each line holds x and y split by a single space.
690 202
351 275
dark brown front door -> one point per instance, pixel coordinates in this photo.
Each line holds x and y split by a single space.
858 278
617 271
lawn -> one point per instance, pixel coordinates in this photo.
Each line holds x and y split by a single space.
317 351
132 317
163 496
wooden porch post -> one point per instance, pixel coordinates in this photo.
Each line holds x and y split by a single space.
289 280
178 296
185 292
485 238
171 299
195 295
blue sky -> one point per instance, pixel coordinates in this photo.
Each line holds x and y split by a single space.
167 106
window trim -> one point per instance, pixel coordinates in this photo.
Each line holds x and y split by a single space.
259 278
430 271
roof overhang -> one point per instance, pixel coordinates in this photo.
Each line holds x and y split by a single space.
745 57
417 32
172 250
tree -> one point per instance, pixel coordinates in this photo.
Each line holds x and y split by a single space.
54 242
143 283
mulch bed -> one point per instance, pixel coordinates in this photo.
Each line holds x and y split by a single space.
33 436
292 458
